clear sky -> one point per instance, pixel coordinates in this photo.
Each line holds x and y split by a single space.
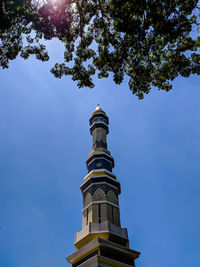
45 140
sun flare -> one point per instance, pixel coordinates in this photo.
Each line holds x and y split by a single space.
41 2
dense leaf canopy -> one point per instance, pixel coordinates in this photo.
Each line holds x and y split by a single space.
149 41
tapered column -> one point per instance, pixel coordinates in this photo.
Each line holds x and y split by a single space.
102 240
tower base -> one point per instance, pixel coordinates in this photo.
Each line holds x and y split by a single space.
103 253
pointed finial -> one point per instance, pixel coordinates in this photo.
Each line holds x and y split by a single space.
98 108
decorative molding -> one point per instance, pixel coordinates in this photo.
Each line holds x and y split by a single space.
99 170
100 202
97 153
99 176
81 264
99 158
114 195
98 123
100 190
99 183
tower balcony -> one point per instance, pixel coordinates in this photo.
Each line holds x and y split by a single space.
105 230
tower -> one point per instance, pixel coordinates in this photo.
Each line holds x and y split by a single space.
102 241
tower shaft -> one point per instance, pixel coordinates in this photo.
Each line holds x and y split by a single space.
102 241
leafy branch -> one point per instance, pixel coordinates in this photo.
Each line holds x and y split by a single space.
150 42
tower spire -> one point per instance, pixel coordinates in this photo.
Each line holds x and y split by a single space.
102 240
99 128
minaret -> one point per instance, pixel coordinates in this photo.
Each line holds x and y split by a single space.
102 241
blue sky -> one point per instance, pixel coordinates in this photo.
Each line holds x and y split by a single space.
45 140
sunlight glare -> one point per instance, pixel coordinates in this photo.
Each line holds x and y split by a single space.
41 2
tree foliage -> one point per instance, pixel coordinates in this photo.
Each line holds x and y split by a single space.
149 41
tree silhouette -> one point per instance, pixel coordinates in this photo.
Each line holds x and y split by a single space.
151 42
